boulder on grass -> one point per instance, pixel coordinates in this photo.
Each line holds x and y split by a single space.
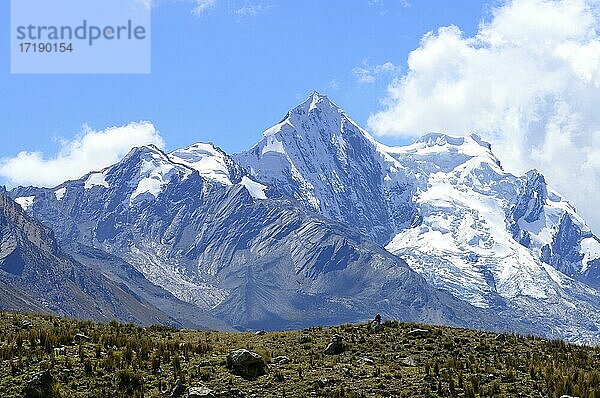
336 346
246 363
178 390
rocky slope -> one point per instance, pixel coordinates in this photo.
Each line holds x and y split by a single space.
42 278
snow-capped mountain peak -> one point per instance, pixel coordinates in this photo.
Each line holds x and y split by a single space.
318 102
204 224
146 170
211 162
444 139
487 235
443 203
440 152
322 158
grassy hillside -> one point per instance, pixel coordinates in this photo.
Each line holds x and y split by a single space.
125 360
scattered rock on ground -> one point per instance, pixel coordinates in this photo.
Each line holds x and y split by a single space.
80 338
322 383
60 351
232 393
201 392
281 360
418 333
26 324
305 338
376 325
366 361
246 363
408 361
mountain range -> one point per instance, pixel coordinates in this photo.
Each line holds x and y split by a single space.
317 223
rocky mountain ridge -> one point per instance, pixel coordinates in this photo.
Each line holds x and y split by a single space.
291 232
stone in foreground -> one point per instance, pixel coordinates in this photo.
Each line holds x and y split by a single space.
246 363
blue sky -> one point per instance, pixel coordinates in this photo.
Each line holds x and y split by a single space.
226 74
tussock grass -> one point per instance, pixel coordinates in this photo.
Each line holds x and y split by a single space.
123 360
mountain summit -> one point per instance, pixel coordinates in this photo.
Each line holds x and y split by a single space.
323 159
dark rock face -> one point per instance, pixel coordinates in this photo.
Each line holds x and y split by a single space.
532 198
565 255
246 363
529 206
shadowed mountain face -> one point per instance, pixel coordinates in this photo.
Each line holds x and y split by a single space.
35 275
292 232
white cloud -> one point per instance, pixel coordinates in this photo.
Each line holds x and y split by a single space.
91 150
203 5
367 73
250 10
529 81
403 3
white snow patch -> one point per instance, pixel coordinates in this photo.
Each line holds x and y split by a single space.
314 102
96 179
273 145
590 248
276 128
60 193
463 244
255 189
155 173
25 202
